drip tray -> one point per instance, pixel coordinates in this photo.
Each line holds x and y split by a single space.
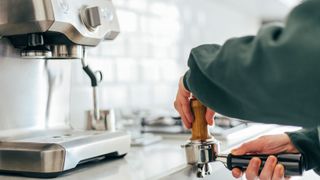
50 153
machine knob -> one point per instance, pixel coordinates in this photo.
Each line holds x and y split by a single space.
91 17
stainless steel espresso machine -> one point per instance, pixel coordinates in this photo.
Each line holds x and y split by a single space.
39 42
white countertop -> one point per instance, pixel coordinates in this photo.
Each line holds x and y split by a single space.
140 163
163 160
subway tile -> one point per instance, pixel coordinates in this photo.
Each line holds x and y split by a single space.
145 24
138 49
150 70
164 9
173 52
140 5
170 70
96 64
107 67
114 48
140 95
119 3
127 70
143 64
164 95
127 20
159 52
93 51
114 96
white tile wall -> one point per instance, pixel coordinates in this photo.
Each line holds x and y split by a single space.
142 66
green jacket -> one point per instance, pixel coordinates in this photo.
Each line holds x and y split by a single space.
273 77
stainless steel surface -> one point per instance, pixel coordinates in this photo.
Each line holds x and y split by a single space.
35 40
90 16
203 170
35 94
201 153
24 91
98 119
51 151
36 157
105 122
96 109
35 48
28 17
222 158
96 144
36 54
60 16
139 164
84 62
63 51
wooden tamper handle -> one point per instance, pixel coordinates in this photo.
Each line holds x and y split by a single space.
199 125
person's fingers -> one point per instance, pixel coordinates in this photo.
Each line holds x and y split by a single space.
186 109
175 104
182 105
237 173
278 173
178 107
267 171
186 123
253 169
209 116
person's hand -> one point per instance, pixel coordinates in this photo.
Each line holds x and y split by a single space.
182 105
270 144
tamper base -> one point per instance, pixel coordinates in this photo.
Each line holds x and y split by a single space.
199 152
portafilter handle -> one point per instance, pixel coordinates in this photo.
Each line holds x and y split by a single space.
293 163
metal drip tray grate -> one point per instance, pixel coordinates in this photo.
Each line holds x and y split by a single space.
49 153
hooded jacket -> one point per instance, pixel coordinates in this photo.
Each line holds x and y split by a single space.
273 77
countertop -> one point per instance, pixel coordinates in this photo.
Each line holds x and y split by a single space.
149 162
163 160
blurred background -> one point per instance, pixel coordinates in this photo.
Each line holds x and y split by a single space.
142 66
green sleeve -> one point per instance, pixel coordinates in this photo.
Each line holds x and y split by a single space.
307 142
273 77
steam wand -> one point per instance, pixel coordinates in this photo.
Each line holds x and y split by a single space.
94 84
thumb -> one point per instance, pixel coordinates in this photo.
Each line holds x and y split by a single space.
209 116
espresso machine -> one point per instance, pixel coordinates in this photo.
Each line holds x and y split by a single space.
39 41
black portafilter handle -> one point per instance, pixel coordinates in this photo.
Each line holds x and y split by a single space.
293 163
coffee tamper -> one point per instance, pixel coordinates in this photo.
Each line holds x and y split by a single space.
202 149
